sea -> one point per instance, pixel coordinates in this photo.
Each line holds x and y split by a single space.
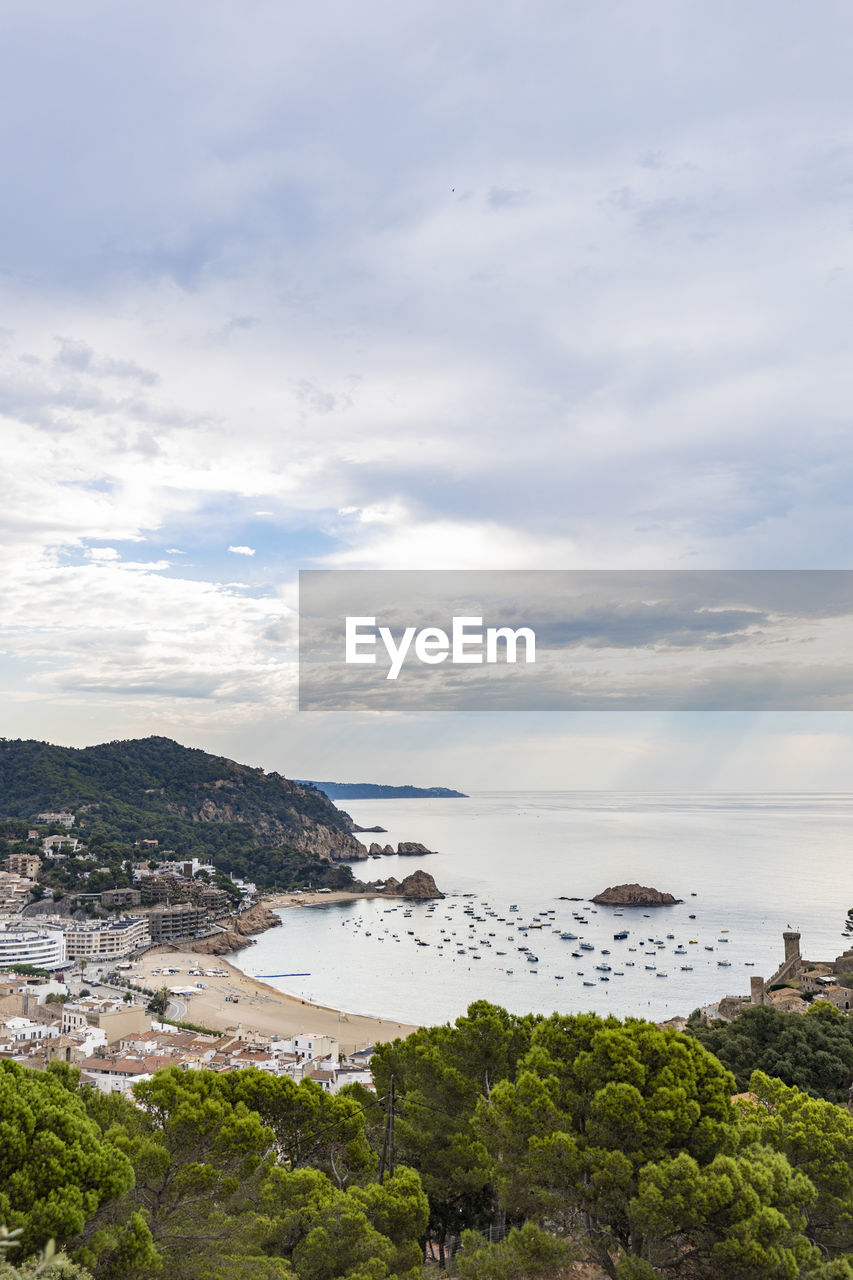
519 870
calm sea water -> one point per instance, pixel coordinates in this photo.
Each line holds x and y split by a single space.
747 867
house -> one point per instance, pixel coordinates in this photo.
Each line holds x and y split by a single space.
64 819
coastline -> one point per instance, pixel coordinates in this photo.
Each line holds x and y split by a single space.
278 901
262 1008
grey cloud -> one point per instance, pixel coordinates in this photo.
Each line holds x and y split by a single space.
79 356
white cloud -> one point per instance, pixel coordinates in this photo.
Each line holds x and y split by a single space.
242 551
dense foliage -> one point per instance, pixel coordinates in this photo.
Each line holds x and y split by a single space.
813 1051
536 1141
56 1169
622 1141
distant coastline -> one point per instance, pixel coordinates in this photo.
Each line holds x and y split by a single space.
378 791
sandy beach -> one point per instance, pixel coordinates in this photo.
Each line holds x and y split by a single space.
317 898
261 1008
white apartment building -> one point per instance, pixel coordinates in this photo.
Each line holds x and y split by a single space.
309 1045
104 939
42 946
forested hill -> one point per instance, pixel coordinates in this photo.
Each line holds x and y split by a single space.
183 796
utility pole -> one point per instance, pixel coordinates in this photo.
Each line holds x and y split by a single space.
388 1141
391 1130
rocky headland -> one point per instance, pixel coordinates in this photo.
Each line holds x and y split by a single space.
240 932
634 895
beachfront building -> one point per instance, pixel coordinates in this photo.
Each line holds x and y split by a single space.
35 944
104 939
184 920
310 1045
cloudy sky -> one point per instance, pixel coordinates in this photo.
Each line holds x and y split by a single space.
546 286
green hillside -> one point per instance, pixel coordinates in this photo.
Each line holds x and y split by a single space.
190 801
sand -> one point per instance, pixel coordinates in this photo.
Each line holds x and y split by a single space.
261 1008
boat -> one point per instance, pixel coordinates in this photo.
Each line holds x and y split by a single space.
589 984
587 946
687 968
660 975
724 964
620 936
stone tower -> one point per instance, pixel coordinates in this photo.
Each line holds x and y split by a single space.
756 989
792 945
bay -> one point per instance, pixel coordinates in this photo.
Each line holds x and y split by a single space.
757 865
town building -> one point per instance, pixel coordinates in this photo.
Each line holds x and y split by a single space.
15 892
121 898
184 920
103 939
114 1018
23 864
42 946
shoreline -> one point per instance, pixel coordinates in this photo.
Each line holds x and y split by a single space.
260 1008
278 901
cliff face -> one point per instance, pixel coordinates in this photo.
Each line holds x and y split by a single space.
240 933
635 895
307 832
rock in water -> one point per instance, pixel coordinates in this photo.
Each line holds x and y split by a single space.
418 887
412 849
635 895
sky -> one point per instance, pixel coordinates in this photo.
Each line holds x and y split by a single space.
544 286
